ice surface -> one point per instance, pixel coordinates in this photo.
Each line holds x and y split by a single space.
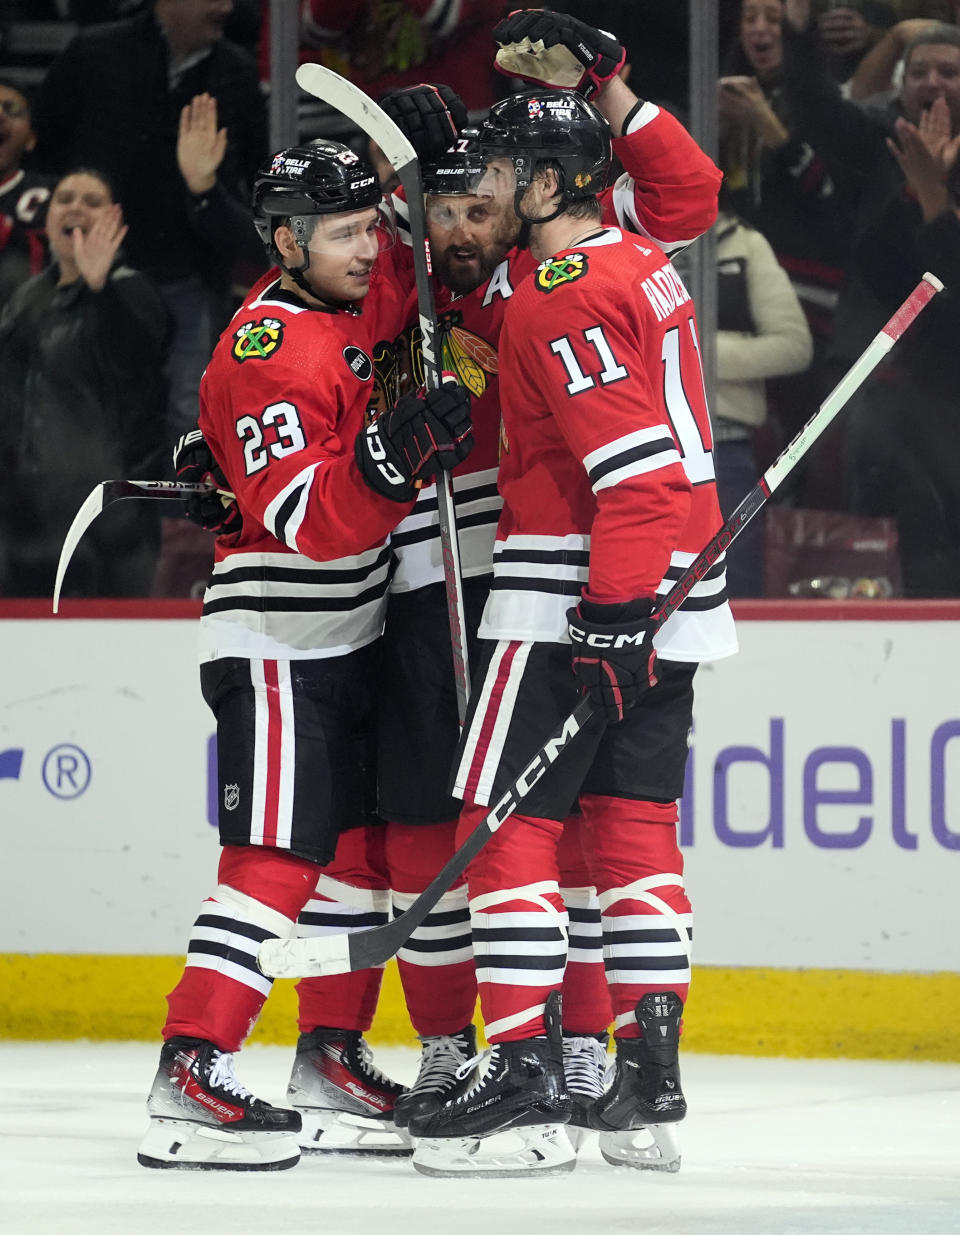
771 1147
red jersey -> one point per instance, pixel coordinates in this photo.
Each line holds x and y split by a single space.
668 192
607 473
281 403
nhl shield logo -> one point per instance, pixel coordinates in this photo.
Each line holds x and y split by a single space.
231 797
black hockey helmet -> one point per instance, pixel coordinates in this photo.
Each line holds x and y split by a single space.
551 128
458 171
325 177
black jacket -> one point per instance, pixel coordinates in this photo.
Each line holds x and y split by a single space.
82 400
106 103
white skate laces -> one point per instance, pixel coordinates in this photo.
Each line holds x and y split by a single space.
492 1055
369 1067
222 1076
584 1064
441 1059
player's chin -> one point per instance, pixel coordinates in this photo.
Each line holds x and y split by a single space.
356 285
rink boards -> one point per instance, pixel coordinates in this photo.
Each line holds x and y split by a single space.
820 827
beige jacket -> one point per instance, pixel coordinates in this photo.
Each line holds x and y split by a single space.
781 344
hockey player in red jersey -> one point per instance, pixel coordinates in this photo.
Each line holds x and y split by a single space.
607 483
291 625
668 193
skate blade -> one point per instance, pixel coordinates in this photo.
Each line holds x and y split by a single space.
175 1144
655 1147
338 1132
542 1149
578 1136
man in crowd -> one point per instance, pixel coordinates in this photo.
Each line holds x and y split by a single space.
113 100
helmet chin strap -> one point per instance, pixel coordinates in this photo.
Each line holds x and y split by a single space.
523 241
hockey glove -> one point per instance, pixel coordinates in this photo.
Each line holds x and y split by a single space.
613 654
430 116
194 463
554 49
406 445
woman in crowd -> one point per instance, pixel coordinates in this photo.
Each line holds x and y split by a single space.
779 184
82 397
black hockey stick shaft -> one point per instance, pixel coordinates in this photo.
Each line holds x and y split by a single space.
363 949
375 123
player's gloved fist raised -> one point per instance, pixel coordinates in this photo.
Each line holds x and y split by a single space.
194 463
613 655
430 116
408 443
555 49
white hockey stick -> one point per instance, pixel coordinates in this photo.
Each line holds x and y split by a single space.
342 953
104 495
373 121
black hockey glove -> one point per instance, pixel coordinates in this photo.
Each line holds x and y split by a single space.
406 445
613 655
430 116
194 463
573 55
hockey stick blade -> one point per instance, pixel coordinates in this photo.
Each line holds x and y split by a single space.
347 98
340 954
104 495
335 90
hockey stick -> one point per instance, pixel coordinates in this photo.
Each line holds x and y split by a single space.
342 953
104 495
376 124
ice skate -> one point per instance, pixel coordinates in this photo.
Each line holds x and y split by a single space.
584 1066
441 1077
645 1097
202 1118
511 1122
345 1102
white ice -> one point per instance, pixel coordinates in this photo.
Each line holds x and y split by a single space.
771 1147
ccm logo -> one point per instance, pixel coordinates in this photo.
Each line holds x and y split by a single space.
379 455
606 641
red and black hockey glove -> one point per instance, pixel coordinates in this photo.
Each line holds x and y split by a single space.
194 463
430 116
613 655
406 445
573 55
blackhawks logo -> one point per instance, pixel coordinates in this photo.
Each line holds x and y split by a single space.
257 340
464 353
556 271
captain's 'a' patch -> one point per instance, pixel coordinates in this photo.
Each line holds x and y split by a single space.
257 340
557 271
358 362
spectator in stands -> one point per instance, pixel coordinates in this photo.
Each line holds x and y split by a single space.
875 78
903 430
113 100
779 183
761 333
848 29
81 401
23 195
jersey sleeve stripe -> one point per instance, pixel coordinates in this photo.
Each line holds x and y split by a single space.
638 453
626 211
284 516
640 116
